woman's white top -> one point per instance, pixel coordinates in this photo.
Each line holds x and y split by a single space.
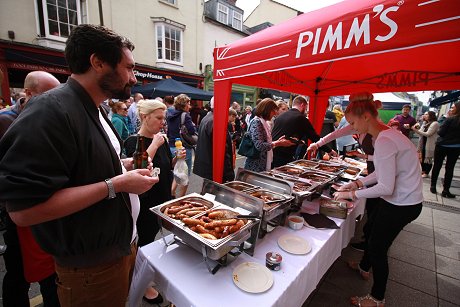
397 175
133 198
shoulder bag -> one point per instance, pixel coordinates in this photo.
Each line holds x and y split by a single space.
188 140
247 147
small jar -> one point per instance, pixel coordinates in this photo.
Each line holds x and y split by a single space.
273 261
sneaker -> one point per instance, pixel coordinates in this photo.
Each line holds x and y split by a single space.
359 246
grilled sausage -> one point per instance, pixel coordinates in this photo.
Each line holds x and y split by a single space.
174 209
220 223
193 212
192 222
237 226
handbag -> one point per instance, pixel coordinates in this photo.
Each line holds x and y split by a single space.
188 140
247 147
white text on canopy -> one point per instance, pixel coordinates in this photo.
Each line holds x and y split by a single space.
334 37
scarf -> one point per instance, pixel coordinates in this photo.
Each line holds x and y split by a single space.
269 140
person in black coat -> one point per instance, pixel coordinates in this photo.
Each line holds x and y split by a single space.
447 145
204 153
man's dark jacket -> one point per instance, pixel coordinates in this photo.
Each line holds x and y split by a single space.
204 155
58 142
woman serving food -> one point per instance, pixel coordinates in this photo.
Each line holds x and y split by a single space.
396 180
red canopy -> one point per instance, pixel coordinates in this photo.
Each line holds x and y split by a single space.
355 45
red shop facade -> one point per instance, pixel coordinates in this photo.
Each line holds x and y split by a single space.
18 59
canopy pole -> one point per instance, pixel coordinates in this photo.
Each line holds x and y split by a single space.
222 92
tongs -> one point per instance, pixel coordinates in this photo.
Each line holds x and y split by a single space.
248 217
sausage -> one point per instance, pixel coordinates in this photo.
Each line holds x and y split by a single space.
195 204
226 231
201 230
227 222
193 212
206 219
216 215
208 236
174 210
183 211
237 226
192 222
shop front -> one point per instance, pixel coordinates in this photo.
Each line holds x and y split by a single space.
18 59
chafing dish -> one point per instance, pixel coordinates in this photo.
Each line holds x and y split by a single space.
304 163
276 208
241 186
352 173
318 176
289 170
330 167
242 240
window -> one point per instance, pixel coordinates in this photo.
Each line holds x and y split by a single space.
59 17
222 13
169 43
173 2
237 21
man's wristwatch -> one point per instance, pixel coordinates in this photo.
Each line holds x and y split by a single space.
111 189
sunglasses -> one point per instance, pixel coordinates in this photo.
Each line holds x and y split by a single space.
124 109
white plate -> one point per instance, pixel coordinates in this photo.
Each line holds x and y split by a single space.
252 277
294 244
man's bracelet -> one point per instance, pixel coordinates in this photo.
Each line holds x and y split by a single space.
111 189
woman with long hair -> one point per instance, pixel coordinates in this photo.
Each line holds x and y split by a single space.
181 105
261 136
447 146
152 114
396 180
428 134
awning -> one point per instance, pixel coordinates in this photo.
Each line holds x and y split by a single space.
452 97
167 87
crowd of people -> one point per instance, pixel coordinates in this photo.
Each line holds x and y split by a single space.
79 210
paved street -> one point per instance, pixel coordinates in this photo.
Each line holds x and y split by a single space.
424 260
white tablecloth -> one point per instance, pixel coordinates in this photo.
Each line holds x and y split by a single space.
181 275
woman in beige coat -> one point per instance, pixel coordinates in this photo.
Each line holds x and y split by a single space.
428 134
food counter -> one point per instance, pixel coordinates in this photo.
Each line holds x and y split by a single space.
181 275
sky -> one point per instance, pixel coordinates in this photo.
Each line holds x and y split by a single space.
301 5
306 6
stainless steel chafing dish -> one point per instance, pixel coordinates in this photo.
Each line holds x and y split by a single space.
241 186
352 173
330 167
308 183
243 240
308 164
277 193
289 170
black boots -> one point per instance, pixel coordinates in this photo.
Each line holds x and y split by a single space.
447 194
